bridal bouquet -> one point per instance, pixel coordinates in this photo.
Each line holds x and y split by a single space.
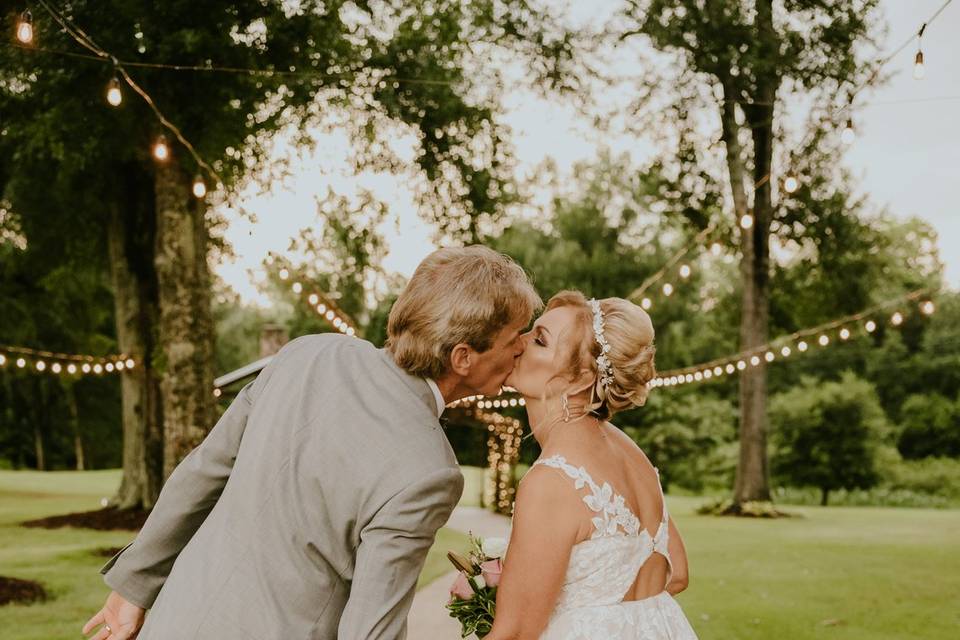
473 595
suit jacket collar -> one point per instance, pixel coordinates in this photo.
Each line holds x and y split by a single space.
417 385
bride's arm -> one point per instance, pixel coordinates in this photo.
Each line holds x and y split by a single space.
680 576
545 527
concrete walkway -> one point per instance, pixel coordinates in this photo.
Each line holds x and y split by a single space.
428 617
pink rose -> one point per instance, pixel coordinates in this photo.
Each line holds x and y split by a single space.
490 570
461 588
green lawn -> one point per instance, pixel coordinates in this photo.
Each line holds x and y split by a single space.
63 559
847 573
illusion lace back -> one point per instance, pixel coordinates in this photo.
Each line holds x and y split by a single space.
602 569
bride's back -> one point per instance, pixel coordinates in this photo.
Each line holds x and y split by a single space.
610 456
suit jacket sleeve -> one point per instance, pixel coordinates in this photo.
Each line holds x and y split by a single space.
139 570
393 548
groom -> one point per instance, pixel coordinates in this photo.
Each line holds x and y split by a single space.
308 510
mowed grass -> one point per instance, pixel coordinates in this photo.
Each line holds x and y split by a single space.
844 573
852 573
64 560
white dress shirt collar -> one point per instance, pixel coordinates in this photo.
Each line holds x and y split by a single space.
441 403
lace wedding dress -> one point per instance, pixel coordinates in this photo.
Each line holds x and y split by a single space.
603 568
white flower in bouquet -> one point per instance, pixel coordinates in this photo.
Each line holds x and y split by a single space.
494 547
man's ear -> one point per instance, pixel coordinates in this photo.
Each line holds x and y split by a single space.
461 357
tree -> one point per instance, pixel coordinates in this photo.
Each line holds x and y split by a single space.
737 61
388 65
930 427
826 434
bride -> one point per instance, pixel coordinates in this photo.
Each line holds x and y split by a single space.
593 553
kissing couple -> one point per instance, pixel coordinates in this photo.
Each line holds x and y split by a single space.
309 509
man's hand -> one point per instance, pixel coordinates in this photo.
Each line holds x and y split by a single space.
121 619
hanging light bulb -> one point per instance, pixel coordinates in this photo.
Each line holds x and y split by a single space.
928 307
114 95
918 69
746 221
790 184
25 27
21 362
754 360
71 369
785 352
870 326
897 319
715 248
685 271
3 359
768 356
297 287
802 346
823 340
667 289
729 368
130 363
646 303
844 333
314 298
284 274
56 368
847 135
161 151
321 308
199 187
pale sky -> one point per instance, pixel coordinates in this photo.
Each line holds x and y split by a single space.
906 156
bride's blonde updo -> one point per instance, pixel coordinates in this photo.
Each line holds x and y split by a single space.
629 332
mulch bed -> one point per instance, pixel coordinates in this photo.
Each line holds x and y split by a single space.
15 590
109 519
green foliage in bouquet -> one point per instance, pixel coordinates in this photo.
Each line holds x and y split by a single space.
472 600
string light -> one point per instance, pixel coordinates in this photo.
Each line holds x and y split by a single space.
61 363
161 150
848 135
790 184
685 271
284 274
746 221
753 357
919 72
114 95
646 303
25 27
199 187
667 289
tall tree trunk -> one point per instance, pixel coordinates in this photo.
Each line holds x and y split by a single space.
752 480
39 419
131 237
71 396
186 319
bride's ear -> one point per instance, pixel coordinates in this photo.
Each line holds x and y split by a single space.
582 382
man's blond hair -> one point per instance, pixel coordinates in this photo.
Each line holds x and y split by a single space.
457 295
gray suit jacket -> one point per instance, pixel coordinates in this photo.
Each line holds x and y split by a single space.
308 510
